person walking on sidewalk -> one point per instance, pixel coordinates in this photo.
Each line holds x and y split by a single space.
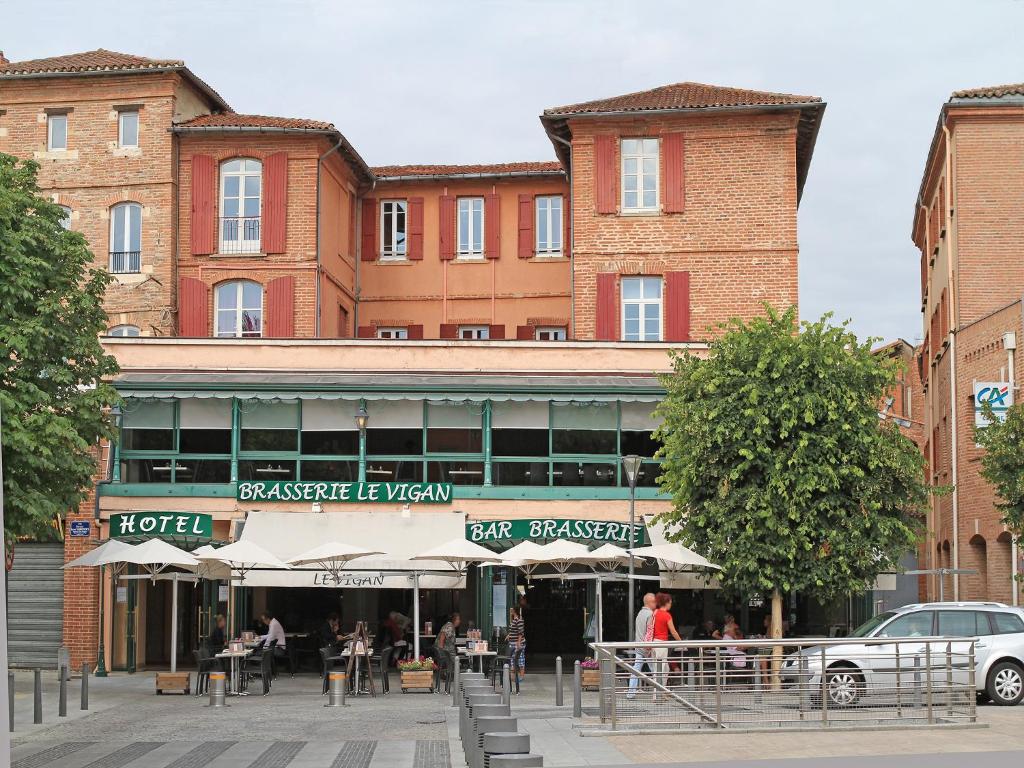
516 643
644 629
664 627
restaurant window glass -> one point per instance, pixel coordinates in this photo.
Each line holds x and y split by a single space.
583 428
146 471
269 426
519 472
454 427
583 473
408 470
456 472
148 426
337 470
202 470
204 426
266 469
329 429
395 428
519 429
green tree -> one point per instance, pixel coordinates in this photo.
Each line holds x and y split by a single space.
779 467
1003 464
53 404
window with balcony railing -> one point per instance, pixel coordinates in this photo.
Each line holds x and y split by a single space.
126 238
241 182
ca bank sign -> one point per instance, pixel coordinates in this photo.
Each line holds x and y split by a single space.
998 394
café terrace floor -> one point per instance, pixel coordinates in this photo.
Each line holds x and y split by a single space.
128 726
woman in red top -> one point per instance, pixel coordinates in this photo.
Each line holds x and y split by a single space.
664 627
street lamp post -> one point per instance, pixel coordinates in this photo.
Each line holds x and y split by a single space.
362 419
631 466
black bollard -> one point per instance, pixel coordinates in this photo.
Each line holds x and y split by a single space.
559 700
62 697
10 698
85 686
37 696
577 690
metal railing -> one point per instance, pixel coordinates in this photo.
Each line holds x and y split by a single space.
772 684
125 262
239 234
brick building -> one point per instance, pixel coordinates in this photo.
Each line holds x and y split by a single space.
493 331
968 223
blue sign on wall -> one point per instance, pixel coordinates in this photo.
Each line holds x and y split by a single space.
81 528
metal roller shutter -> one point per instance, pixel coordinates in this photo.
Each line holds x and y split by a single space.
35 605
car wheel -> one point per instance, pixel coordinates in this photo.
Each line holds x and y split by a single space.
844 686
1005 684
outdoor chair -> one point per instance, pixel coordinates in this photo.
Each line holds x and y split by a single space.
385 661
205 663
328 658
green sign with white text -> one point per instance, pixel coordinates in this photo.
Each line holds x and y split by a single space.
161 525
370 493
599 531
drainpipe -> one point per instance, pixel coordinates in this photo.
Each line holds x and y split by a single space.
319 163
1010 344
572 244
953 404
101 662
929 407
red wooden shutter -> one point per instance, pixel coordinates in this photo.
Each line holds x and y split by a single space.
368 247
526 236
496 331
193 307
204 194
673 154
414 331
275 203
492 226
415 230
366 332
677 306
281 307
604 329
446 227
449 331
525 332
604 173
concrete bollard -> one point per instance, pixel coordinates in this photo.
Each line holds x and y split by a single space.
10 698
559 698
577 690
62 695
336 684
37 696
218 689
515 761
85 687
506 685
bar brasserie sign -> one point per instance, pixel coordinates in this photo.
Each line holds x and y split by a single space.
372 493
604 531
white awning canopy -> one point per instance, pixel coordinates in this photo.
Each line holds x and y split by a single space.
289 534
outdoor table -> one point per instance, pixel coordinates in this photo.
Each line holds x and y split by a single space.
479 654
235 688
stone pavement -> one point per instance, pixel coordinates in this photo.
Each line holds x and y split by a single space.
130 727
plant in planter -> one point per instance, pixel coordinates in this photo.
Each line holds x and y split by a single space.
417 673
591 672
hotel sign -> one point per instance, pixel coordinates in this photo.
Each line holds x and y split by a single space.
372 493
161 525
599 531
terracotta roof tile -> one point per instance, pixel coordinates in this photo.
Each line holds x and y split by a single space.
682 96
511 169
990 92
101 62
234 120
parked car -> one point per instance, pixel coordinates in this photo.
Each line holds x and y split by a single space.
853 669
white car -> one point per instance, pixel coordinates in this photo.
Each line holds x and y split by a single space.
854 668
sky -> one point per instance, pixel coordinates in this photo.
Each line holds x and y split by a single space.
446 81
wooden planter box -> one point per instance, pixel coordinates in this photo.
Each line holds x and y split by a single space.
591 679
417 679
172 681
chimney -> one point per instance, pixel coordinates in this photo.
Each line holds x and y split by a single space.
3 60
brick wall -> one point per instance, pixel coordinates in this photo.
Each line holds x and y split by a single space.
737 235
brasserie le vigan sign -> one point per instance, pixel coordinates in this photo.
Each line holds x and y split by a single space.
367 493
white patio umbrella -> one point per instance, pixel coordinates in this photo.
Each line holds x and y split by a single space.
674 557
210 569
519 557
560 555
609 557
332 556
103 552
242 556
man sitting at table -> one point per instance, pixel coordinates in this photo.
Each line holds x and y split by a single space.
330 632
274 632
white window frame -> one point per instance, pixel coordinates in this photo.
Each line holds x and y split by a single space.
398 334
547 249
240 244
238 309
65 220
394 251
471 253
121 115
549 333
50 118
474 332
124 247
643 303
640 157
124 330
